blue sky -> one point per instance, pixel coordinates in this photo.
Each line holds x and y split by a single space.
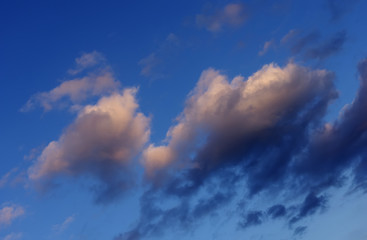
186 120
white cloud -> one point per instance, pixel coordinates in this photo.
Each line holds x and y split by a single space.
232 15
236 109
9 213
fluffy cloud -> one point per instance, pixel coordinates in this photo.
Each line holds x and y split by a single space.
101 142
233 130
9 213
232 15
75 91
220 114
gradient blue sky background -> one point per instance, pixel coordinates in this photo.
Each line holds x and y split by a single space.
217 178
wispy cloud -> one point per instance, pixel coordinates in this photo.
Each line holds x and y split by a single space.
329 47
339 8
267 46
13 236
152 65
87 60
9 213
75 91
231 15
64 225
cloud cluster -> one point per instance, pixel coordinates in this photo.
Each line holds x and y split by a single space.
101 142
232 15
231 130
235 139
77 90
9 213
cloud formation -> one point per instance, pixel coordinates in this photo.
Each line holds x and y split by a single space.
101 142
77 90
9 213
232 15
232 130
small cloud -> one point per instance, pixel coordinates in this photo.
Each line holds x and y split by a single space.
4 180
329 47
232 15
304 41
148 64
339 8
152 64
300 231
9 213
77 90
252 218
64 225
87 60
13 236
267 46
289 36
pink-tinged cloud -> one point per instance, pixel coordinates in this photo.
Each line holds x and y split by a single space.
9 213
87 60
101 142
75 91
220 111
232 15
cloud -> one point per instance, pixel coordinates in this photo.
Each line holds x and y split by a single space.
13 236
64 225
152 64
101 142
232 15
289 36
5 179
76 91
305 41
339 8
276 211
267 46
87 60
232 130
340 145
9 213
252 218
310 205
328 47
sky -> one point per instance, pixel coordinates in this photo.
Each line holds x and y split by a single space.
134 120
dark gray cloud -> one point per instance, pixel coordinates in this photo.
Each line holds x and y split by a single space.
328 47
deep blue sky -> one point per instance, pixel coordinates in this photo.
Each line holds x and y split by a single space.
120 120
